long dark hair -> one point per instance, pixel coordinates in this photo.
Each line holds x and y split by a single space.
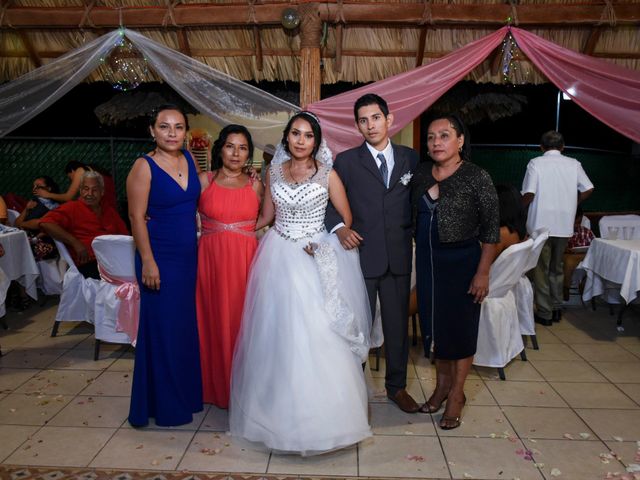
512 212
216 150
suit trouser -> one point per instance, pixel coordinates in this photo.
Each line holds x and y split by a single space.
548 277
393 291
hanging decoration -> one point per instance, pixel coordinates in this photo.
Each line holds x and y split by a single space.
290 18
126 67
512 61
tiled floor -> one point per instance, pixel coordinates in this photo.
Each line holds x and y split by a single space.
571 412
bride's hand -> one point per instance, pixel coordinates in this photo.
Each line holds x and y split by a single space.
311 248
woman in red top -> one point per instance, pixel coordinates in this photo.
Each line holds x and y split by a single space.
229 206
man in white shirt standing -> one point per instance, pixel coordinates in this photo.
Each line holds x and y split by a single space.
552 188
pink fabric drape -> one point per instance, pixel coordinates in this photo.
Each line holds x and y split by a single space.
408 94
129 312
607 91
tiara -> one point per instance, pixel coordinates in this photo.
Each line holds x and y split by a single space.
310 114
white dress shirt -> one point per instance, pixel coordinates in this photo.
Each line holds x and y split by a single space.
388 155
555 181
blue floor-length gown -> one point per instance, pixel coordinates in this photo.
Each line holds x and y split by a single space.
166 378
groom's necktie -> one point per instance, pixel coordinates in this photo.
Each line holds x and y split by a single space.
384 172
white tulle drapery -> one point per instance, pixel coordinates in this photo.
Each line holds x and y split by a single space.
605 90
27 96
215 94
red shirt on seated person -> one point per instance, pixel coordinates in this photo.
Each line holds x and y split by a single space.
78 222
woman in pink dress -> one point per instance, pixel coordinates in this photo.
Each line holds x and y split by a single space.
229 205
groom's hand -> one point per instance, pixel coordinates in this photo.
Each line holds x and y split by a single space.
348 238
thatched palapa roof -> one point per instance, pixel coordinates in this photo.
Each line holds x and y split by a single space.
360 41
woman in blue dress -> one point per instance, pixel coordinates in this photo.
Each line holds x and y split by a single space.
163 190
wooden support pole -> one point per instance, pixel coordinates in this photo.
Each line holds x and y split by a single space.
417 146
310 35
310 78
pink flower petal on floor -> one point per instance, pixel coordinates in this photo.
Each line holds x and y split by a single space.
415 458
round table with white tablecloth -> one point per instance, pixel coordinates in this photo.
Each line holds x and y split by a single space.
18 262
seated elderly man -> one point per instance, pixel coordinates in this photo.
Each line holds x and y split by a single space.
78 222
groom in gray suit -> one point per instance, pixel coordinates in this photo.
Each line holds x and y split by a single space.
376 177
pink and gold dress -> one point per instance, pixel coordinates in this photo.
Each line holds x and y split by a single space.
225 252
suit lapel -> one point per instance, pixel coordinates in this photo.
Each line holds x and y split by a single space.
368 162
399 166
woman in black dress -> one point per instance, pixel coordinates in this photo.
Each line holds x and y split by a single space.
456 223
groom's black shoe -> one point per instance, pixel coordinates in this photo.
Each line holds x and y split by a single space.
404 401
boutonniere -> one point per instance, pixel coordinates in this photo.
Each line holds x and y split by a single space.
406 178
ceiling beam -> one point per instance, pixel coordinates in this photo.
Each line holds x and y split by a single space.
285 52
422 42
592 40
258 49
337 64
33 54
183 42
476 14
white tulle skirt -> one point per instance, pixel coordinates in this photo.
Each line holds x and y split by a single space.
297 382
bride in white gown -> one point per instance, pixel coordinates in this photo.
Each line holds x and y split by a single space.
297 381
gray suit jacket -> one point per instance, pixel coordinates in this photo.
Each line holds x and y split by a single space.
381 216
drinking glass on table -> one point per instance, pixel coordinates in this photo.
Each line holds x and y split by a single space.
613 233
627 233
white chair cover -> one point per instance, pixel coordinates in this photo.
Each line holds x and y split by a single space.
523 290
115 255
4 287
51 277
12 215
78 293
622 222
499 338
586 223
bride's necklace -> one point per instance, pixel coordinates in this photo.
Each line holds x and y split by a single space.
293 177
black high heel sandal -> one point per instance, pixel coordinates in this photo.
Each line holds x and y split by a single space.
452 422
429 407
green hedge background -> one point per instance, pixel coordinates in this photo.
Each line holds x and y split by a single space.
614 175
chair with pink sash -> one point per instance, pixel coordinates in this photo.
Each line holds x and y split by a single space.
78 294
117 302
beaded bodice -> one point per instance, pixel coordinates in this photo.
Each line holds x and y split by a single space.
300 207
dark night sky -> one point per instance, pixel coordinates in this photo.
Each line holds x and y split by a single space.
72 116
